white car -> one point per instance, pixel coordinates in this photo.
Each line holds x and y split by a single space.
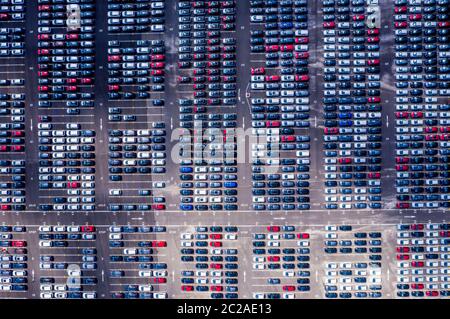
144 273
145 288
258 266
187 236
187 244
45 243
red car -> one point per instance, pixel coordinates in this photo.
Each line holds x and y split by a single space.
329 25
273 258
5 207
301 78
401 9
17 148
157 72
358 17
3 148
158 57
273 228
373 62
373 32
158 206
159 243
432 129
331 130
187 288
401 24
272 48
87 229
287 138
417 226
303 236
71 81
301 55
288 288
43 88
159 280
256 71
287 48
416 115
432 293
303 40
273 123
374 99
401 167
43 36
114 58
157 65
402 160
86 81
18 243
215 244
43 51
114 87
216 266
71 88
17 133
43 73
216 288
215 236
345 160
72 36
402 115
273 78
44 7
402 257
417 264
415 17
403 249
73 185
402 205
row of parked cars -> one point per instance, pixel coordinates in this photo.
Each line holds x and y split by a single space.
141 251
210 261
137 154
352 106
280 104
136 16
281 262
342 240
66 70
12 115
13 260
207 82
135 71
12 11
422 111
68 262
12 42
67 166
423 260
136 86
361 278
